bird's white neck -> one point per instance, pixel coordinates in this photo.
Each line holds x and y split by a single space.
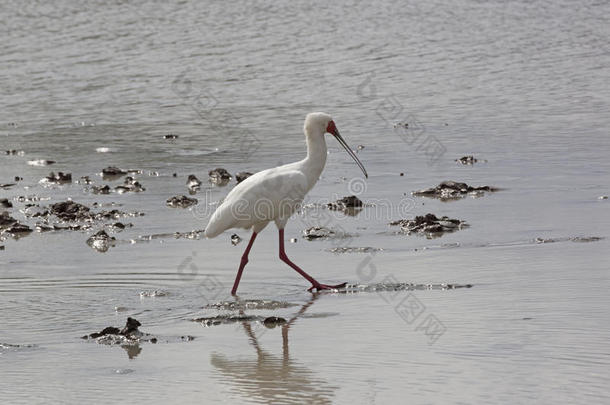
314 163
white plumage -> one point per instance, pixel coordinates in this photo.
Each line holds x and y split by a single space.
275 194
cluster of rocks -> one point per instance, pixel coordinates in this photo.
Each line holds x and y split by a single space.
430 225
452 190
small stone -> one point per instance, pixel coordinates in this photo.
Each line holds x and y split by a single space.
5 203
181 201
235 239
170 136
293 240
219 176
273 321
241 176
603 197
193 183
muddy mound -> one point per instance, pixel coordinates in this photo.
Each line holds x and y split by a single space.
429 225
452 190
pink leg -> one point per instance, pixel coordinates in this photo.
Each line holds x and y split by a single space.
244 260
314 284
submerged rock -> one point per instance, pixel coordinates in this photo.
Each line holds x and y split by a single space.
348 249
219 176
451 190
430 225
129 185
84 180
112 171
273 321
153 293
241 176
7 185
320 232
570 239
250 304
101 241
467 160
227 318
105 189
5 203
349 203
193 183
40 162
59 178
181 201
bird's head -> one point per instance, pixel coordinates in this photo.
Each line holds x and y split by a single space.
319 123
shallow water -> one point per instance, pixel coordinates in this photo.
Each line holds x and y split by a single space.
522 86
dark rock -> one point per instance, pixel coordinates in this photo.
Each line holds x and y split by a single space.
84 180
5 203
17 178
130 185
219 176
170 136
346 202
273 321
101 241
70 211
241 176
6 220
17 230
59 178
131 327
1 247
130 330
430 225
235 239
113 171
320 232
7 185
451 190
467 160
105 189
193 183
181 201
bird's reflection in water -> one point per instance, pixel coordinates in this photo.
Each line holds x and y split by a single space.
273 379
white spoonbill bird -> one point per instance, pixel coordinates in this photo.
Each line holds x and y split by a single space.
275 194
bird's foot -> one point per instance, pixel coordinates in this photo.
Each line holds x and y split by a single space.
319 287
